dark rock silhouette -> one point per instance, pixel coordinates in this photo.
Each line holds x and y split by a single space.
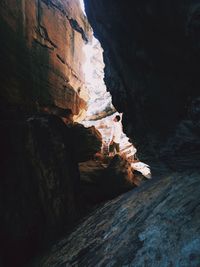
85 141
152 58
40 183
102 181
118 177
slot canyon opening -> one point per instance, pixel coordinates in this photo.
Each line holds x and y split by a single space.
100 111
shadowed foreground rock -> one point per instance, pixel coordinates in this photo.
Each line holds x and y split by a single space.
152 61
101 182
85 141
155 226
39 185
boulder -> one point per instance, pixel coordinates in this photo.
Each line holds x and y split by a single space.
101 181
85 141
118 177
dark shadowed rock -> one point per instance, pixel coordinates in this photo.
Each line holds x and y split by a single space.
152 62
118 177
156 226
85 141
100 181
39 185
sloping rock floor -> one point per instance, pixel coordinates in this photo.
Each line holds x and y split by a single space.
155 225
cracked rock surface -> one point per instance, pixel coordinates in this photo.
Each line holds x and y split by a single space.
41 54
156 225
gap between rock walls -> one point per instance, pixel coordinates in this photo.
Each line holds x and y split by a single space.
100 111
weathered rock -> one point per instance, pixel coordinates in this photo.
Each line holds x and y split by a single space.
39 186
85 141
152 58
100 102
101 181
41 54
156 225
119 177
91 174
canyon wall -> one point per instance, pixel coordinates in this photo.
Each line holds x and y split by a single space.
152 61
41 54
151 53
39 185
40 196
41 66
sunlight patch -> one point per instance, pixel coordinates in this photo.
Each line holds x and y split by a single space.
82 6
101 112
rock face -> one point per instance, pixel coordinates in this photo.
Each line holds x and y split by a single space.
39 180
119 177
41 66
40 184
100 102
41 54
152 60
101 181
85 141
157 225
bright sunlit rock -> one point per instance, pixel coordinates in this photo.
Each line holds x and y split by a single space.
82 6
100 103
101 112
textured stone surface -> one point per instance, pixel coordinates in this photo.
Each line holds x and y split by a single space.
152 66
152 61
100 102
101 180
40 182
155 226
85 141
119 176
41 53
39 186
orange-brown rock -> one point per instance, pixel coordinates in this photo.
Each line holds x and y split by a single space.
41 53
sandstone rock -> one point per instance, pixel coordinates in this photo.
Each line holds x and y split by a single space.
119 177
101 181
151 55
92 190
85 141
157 225
39 186
41 54
100 102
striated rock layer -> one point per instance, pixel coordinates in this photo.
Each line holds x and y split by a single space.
41 54
155 226
152 62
